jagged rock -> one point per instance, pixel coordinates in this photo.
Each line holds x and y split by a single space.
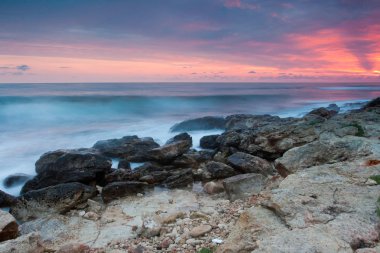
373 103
132 148
247 163
217 170
173 148
7 200
209 141
8 226
155 177
15 179
124 164
30 243
121 189
64 166
204 123
326 150
119 175
192 159
51 200
323 112
179 179
243 185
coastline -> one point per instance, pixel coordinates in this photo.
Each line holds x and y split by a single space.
269 184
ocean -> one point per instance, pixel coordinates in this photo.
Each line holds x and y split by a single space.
36 118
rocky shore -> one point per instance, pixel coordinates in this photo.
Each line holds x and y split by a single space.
266 184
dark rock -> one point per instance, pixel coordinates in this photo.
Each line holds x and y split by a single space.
124 164
7 200
324 112
15 180
131 148
179 179
192 159
8 226
250 164
155 177
64 166
149 167
119 175
373 103
51 200
204 123
209 141
173 148
121 189
243 185
217 170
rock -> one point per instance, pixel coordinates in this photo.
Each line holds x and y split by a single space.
119 175
121 189
243 185
373 103
172 217
15 179
150 228
323 112
65 166
51 200
173 148
326 150
247 163
8 226
213 187
192 159
200 230
124 164
74 248
132 148
91 216
29 243
155 177
7 200
217 170
204 123
209 141
179 179
166 242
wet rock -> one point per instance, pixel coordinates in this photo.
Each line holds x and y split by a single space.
173 148
155 177
7 200
200 230
373 103
204 123
119 175
30 243
121 189
213 187
51 200
247 163
8 226
124 164
217 170
326 150
64 166
131 148
179 179
323 112
15 179
243 185
192 159
209 141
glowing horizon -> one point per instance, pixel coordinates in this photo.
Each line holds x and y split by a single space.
189 41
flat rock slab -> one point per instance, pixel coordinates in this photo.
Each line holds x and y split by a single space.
243 185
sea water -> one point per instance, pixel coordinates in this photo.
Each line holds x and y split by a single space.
36 118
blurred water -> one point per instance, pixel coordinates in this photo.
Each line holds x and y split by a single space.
35 118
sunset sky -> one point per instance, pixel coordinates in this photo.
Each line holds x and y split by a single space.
189 40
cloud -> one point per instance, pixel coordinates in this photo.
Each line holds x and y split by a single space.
252 72
23 67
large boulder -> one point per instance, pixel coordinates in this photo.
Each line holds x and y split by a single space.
64 166
192 159
209 141
121 189
15 179
8 226
179 179
328 149
173 148
7 200
132 148
51 200
247 163
217 170
204 123
323 112
244 185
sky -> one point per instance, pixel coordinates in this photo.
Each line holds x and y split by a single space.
189 41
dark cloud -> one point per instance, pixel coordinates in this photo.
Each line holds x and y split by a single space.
14 70
252 72
23 67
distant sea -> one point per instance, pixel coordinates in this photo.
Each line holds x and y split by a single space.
36 118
